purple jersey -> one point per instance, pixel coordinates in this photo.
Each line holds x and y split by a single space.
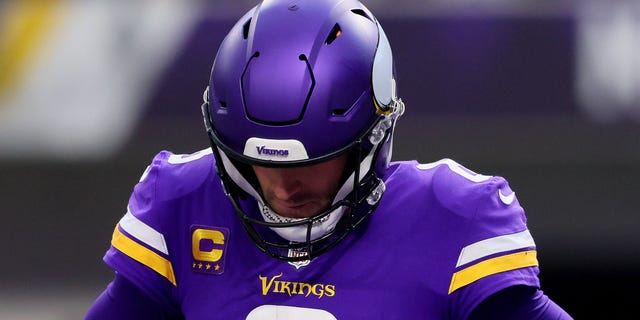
442 239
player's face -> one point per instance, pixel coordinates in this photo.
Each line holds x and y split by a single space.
301 192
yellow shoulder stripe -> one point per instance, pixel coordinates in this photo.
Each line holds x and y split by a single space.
492 266
143 255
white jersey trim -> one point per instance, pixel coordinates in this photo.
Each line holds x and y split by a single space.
495 245
457 168
272 312
184 158
143 232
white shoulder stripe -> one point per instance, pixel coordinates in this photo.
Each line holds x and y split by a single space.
457 168
184 158
143 232
495 245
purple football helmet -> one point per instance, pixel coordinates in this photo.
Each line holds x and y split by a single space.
294 84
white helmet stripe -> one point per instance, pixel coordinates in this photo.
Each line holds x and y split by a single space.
384 85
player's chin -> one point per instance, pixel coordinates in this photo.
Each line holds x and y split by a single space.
301 211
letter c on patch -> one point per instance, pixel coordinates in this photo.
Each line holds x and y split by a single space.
212 255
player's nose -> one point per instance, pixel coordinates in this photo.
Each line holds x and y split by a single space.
286 185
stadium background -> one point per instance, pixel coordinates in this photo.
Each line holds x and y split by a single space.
545 93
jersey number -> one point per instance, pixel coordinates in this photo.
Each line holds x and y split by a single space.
272 312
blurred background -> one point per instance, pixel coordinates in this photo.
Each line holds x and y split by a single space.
543 92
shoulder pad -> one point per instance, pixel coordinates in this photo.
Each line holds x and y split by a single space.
465 192
175 175
144 232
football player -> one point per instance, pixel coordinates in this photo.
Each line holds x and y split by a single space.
296 212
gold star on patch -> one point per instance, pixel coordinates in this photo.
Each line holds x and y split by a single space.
217 267
208 266
200 265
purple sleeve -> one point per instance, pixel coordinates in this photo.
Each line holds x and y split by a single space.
519 302
124 301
